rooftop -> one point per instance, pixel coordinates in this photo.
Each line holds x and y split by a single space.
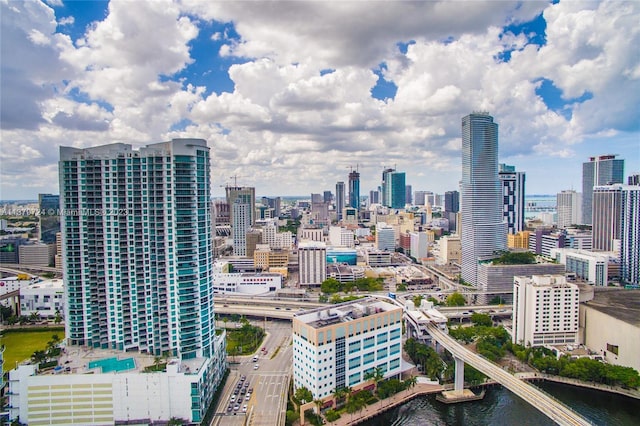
344 312
619 303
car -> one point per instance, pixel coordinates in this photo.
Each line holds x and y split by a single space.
229 408
246 384
233 398
255 358
242 378
278 307
236 391
255 367
236 407
248 397
243 391
250 390
244 408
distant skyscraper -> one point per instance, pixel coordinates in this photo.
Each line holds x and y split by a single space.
512 197
630 235
394 189
374 197
408 194
483 230
138 276
240 227
606 215
327 196
452 201
49 206
339 199
246 195
569 208
634 179
420 198
354 189
601 170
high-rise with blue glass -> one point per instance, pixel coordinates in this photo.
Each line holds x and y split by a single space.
483 229
354 189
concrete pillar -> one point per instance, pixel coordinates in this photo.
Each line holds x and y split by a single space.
459 375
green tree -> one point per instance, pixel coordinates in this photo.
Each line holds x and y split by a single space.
456 299
374 374
481 319
303 395
58 317
34 317
417 299
330 286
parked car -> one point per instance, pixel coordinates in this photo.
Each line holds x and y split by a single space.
255 367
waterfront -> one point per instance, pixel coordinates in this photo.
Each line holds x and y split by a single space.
501 407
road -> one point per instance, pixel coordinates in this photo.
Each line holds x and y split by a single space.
268 402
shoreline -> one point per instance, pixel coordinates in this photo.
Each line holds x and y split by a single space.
405 396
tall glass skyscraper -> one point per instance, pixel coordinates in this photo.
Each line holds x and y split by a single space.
354 189
339 199
483 230
394 189
137 248
630 235
601 170
49 205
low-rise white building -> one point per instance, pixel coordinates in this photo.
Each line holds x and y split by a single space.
44 297
243 283
99 387
587 265
336 347
376 259
545 310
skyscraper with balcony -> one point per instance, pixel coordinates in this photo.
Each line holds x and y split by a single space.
512 197
600 170
241 214
606 215
246 195
483 229
630 235
354 189
137 247
339 199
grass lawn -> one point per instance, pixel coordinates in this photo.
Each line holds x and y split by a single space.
20 345
248 342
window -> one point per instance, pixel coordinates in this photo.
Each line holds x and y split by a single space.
612 348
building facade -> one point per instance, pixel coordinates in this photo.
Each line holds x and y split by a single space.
49 219
630 235
337 347
587 265
354 190
606 216
513 193
340 198
385 237
483 229
600 170
312 263
241 226
569 208
545 310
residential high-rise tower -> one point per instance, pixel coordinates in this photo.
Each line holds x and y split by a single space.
339 199
630 235
483 229
569 208
601 170
354 189
512 197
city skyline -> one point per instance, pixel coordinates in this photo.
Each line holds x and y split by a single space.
373 94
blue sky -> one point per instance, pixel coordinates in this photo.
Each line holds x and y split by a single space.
291 95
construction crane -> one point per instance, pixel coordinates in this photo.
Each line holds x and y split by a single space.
235 179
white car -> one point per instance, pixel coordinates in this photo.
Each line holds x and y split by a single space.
244 408
255 367
233 398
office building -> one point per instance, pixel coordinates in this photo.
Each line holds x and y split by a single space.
452 201
335 347
37 254
419 243
586 265
600 170
246 195
519 240
634 179
385 237
340 200
44 297
341 237
630 235
374 197
312 263
569 208
138 283
408 194
49 220
419 198
513 192
393 189
606 215
497 279
354 189
545 310
450 248
241 226
483 229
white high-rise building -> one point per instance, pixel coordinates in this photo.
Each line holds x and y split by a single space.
241 216
312 262
483 229
341 237
569 208
137 251
545 310
335 347
419 244
599 170
606 216
385 237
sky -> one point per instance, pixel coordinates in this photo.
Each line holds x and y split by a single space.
291 96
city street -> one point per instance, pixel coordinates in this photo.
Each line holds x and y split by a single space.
269 381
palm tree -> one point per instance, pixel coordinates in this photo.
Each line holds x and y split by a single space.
376 375
318 403
411 382
339 395
58 317
34 316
